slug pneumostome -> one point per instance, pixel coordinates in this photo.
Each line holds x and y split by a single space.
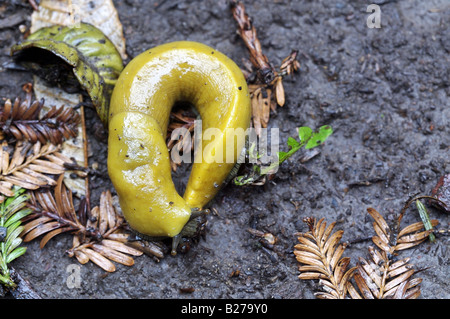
138 158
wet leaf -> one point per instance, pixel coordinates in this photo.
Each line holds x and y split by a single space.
248 34
70 57
279 92
121 247
304 133
97 237
292 142
15 254
319 137
52 234
100 13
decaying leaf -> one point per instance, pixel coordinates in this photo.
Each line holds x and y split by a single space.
382 276
74 15
100 13
70 57
320 253
290 64
25 130
98 236
186 121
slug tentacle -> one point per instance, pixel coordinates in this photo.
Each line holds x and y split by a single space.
138 159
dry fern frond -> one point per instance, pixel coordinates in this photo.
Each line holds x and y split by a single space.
266 97
109 245
248 34
266 90
29 166
320 252
408 237
379 277
30 151
382 277
99 235
185 121
54 213
290 64
22 120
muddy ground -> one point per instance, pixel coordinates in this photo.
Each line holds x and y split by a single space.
384 91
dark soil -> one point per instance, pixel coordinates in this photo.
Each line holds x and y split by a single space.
384 91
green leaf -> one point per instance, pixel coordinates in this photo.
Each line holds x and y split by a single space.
12 211
11 236
15 243
304 133
12 228
242 180
282 156
9 200
293 143
82 54
319 137
15 254
18 216
425 219
12 207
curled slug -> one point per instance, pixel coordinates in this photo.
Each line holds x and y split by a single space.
138 159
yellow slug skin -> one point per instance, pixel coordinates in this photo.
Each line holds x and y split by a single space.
138 159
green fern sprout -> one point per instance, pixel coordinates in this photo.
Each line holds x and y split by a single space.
12 210
307 139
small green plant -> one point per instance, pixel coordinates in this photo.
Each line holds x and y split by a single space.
12 210
307 138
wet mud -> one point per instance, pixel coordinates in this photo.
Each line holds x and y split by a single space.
385 91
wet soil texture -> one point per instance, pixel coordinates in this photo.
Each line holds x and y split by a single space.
385 91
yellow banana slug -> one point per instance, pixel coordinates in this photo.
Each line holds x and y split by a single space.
138 159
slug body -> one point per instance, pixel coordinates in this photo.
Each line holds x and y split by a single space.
138 159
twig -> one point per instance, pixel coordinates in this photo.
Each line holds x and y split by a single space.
248 34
